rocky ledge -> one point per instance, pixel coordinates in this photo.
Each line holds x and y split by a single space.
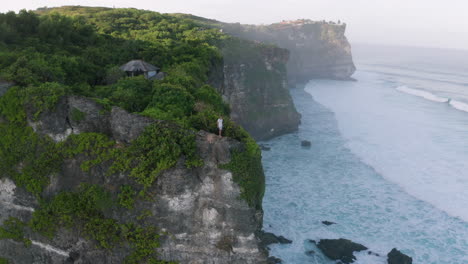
199 212
342 250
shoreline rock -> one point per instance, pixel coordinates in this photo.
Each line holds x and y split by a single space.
340 249
267 238
396 257
328 223
264 147
274 260
306 143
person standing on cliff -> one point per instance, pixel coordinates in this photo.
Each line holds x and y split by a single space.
220 125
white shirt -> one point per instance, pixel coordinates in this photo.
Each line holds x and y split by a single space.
220 123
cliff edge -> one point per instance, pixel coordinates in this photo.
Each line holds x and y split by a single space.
69 200
254 84
317 49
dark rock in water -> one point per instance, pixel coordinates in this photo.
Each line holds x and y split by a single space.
270 238
372 253
328 223
265 148
312 241
396 257
310 252
305 143
274 260
340 249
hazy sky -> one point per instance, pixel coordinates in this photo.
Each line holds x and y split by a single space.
432 23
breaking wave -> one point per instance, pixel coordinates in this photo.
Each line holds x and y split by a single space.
459 105
423 94
432 97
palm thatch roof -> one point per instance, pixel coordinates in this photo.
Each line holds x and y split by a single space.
138 66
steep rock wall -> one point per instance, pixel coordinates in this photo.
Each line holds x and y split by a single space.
199 209
255 86
318 49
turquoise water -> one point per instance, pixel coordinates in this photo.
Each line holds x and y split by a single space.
388 166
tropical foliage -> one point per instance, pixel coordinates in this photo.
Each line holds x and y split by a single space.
51 53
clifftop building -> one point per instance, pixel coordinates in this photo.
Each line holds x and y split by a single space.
140 67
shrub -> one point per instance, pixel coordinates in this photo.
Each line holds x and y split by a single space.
127 196
45 96
77 115
172 99
157 149
13 228
132 94
210 96
97 148
70 209
247 170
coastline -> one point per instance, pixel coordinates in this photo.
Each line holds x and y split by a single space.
328 182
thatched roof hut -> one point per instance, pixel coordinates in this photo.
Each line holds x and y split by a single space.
139 67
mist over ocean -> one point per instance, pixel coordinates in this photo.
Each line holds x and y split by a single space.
388 162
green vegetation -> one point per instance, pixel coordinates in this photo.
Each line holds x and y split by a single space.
247 169
44 96
4 261
25 157
96 148
85 210
83 47
13 228
127 196
76 51
77 115
157 149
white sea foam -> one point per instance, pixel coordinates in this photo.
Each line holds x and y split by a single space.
393 150
423 94
459 105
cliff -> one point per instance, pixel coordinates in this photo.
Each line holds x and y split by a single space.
80 205
317 49
255 87
256 74
85 181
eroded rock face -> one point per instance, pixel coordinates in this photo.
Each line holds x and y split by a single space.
317 49
71 115
215 222
199 208
256 89
307 50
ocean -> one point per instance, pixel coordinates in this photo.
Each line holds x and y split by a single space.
388 162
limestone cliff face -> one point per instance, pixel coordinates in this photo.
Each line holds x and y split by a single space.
255 86
199 209
317 49
257 74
